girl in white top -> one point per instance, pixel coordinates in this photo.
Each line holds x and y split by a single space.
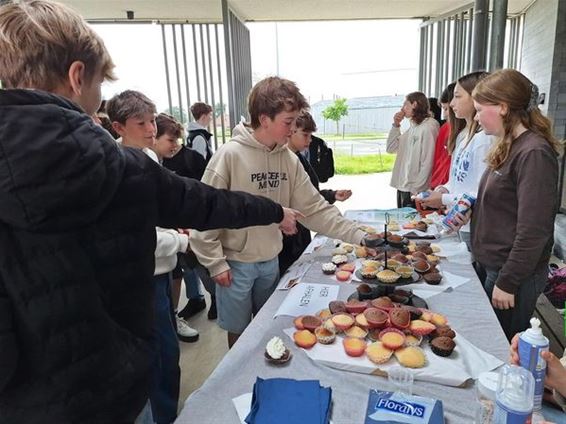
414 148
468 159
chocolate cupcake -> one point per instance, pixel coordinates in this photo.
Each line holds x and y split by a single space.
442 346
337 306
365 292
443 331
400 318
427 250
433 278
421 266
416 313
419 255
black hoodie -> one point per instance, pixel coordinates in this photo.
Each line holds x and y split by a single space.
77 240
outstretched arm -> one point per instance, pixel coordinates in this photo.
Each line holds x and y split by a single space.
8 344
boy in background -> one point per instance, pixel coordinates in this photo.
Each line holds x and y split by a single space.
244 263
199 136
78 217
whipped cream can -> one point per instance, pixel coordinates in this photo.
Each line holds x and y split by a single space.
463 205
531 343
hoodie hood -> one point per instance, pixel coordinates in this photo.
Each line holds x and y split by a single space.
58 169
243 134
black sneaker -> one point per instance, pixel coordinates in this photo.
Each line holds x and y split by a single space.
212 311
193 307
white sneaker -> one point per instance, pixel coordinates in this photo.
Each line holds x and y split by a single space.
185 332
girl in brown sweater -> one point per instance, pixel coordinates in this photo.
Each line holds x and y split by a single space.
513 218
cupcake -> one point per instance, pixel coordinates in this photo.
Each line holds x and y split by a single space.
405 271
328 268
432 259
400 318
372 263
395 238
304 339
369 272
419 255
354 346
349 248
343 275
412 340
276 352
402 259
337 306
411 357
416 313
443 331
343 321
427 250
432 278
365 292
442 346
349 267
438 319
355 331
388 276
392 264
376 318
361 321
339 259
324 335
377 353
339 251
392 338
310 322
421 266
324 314
421 328
361 252
373 240
382 302
356 306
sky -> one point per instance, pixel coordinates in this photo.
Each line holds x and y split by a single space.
326 59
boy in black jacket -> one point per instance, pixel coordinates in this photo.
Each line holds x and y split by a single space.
77 229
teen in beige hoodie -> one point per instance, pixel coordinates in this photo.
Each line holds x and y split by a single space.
247 165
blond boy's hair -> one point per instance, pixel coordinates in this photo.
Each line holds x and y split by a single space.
39 40
273 95
129 104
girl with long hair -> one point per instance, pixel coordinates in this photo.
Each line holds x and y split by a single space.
513 218
414 148
470 146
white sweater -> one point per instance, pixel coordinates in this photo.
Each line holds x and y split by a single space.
467 168
415 155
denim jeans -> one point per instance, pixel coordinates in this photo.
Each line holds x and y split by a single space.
145 416
252 284
192 284
164 393
517 319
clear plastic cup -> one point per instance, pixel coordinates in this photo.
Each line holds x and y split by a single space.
401 379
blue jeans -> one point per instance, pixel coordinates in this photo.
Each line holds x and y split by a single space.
145 416
252 284
164 393
517 319
192 284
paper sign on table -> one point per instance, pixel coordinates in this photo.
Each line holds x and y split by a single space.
293 275
317 242
307 299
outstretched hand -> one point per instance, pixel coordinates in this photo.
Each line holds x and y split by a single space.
341 195
289 224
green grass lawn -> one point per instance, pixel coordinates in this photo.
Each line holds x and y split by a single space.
367 164
347 137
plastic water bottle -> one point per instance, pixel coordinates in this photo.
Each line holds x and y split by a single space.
514 397
531 343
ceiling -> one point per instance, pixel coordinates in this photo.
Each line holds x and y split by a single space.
272 10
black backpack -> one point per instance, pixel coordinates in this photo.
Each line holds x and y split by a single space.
321 159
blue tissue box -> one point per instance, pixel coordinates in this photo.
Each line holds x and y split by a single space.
396 408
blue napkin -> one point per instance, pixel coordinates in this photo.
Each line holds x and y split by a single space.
288 401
